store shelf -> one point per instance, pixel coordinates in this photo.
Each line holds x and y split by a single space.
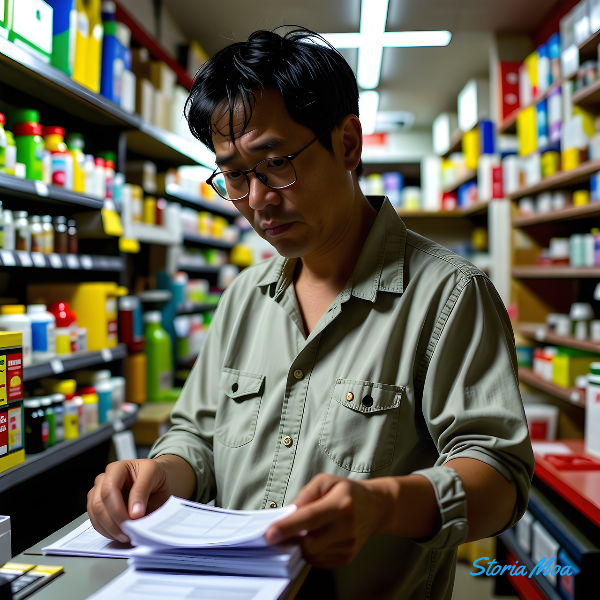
455 142
523 584
560 179
36 190
73 362
565 214
589 48
174 192
208 241
192 308
540 333
20 258
580 488
588 95
182 265
476 208
469 175
39 463
153 234
552 272
571 395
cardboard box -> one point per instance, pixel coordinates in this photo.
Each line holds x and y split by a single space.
154 420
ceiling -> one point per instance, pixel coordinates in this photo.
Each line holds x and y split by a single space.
425 81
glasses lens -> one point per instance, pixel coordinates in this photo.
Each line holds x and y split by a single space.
231 185
276 172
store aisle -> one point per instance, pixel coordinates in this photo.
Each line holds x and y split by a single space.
467 587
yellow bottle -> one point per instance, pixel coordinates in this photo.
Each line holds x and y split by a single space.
76 145
88 44
81 43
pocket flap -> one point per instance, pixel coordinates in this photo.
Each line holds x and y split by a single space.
237 384
366 396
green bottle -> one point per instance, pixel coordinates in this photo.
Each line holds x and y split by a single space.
158 357
30 144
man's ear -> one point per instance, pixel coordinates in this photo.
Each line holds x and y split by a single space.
350 140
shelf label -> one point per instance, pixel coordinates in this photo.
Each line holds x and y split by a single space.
41 189
24 258
540 334
8 258
38 259
106 354
86 262
118 425
72 261
57 366
55 261
575 397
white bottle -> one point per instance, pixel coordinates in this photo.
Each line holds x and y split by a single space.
43 332
9 231
89 168
13 318
99 179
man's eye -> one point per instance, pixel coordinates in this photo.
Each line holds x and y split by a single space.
277 162
233 175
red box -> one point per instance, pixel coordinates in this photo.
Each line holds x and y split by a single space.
508 88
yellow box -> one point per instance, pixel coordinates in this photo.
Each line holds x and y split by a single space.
550 163
95 305
470 147
570 159
566 369
581 197
527 131
12 460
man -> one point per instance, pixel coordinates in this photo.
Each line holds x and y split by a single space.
367 374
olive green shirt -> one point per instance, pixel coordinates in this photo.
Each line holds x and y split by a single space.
412 365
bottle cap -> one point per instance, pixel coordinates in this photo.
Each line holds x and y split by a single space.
46 219
12 309
72 223
60 220
2 119
110 165
53 130
29 128
595 368
66 387
58 398
99 162
36 308
108 155
47 401
21 214
35 219
75 141
154 316
23 115
32 403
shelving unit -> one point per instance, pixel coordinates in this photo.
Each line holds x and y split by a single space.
38 463
193 308
571 395
554 272
21 258
468 176
193 268
180 195
207 241
540 333
565 214
455 142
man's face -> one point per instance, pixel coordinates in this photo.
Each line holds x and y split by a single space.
305 218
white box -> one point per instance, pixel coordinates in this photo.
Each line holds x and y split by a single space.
486 164
443 128
594 15
473 103
581 25
592 416
523 530
128 91
543 545
32 20
144 101
5 543
542 418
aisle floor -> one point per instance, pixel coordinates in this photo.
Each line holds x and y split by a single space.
467 587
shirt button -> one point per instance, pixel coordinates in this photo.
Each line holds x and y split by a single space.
273 505
287 441
298 374
235 387
367 401
349 396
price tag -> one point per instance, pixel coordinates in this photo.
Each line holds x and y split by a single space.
41 189
57 366
575 397
8 258
118 425
86 262
106 354
540 334
38 259
55 261
72 261
24 258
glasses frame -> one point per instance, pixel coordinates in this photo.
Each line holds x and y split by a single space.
259 176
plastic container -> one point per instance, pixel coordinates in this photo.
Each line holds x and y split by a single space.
76 144
66 327
161 207
81 423
61 236
36 426
137 204
62 161
110 178
150 210
37 233
581 315
71 418
64 30
131 329
30 146
9 231
50 415
99 189
104 391
73 237
13 318
89 169
59 416
10 156
113 53
136 368
158 355
542 420
1 225
90 407
118 395
22 231
43 332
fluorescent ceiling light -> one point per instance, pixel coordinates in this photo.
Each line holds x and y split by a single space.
411 39
368 104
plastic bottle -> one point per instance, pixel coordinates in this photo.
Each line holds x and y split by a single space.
62 161
22 231
131 329
36 426
71 419
9 231
50 415
3 144
48 234
81 424
99 185
66 327
76 144
37 233
112 56
158 355
13 318
105 404
61 235
90 407
30 144
73 238
94 44
1 226
109 172
10 157
59 415
43 332
117 395
64 29
81 44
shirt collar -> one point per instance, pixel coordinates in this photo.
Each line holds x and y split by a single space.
380 265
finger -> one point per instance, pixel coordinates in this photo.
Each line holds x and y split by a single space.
147 480
117 475
315 489
101 519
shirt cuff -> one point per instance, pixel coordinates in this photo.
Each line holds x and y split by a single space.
453 526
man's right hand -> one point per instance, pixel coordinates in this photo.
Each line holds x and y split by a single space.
129 489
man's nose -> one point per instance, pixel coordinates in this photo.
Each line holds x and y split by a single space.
261 195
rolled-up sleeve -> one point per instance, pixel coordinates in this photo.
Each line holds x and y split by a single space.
193 416
472 405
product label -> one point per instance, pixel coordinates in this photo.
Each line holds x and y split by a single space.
15 436
45 431
3 390
15 376
3 432
39 336
71 424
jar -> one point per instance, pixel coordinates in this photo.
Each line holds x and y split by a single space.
59 416
43 332
581 314
61 237
37 233
36 426
13 318
559 251
50 419
72 236
71 419
48 246
22 231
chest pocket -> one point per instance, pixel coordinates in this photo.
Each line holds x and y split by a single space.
361 424
239 403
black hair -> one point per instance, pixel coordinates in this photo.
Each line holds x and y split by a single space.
317 84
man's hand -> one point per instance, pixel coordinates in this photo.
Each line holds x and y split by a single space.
335 517
131 488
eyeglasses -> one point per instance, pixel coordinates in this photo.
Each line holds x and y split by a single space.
276 172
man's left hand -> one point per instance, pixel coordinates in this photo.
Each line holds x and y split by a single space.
335 517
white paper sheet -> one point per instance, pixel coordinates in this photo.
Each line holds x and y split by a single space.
184 524
86 541
139 585
543 448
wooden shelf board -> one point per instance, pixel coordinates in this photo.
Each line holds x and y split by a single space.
560 179
570 395
540 333
589 48
551 272
588 95
477 207
565 214
468 176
